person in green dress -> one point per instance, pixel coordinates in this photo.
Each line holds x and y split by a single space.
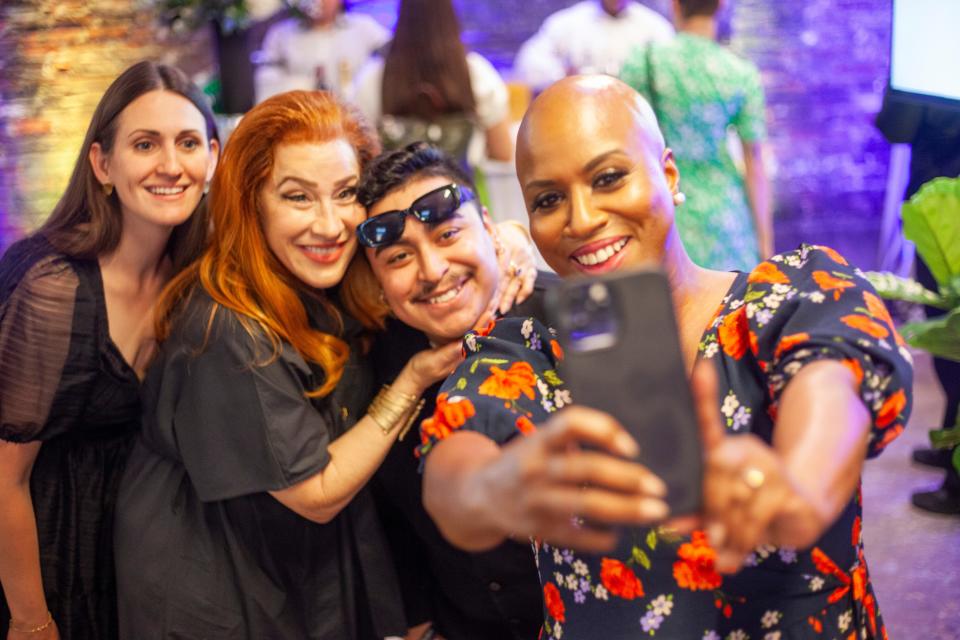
699 90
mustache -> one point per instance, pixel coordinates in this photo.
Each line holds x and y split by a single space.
449 281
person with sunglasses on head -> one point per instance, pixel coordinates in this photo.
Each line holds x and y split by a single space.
798 376
76 337
430 275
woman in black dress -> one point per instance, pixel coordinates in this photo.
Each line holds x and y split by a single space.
243 512
76 333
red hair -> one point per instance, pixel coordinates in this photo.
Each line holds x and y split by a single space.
238 269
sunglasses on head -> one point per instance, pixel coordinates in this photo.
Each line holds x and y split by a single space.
431 208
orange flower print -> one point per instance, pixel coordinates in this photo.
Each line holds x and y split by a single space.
889 436
450 414
524 425
767 272
733 333
509 384
789 342
836 257
620 580
555 606
556 349
827 282
891 409
695 568
485 331
865 324
879 311
855 368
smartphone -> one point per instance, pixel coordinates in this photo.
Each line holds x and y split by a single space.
622 355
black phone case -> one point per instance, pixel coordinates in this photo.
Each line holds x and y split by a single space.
640 378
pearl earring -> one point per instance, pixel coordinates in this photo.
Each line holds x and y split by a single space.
679 198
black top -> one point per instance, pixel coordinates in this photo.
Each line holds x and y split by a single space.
64 382
202 549
468 596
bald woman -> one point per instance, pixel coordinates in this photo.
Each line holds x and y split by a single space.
800 376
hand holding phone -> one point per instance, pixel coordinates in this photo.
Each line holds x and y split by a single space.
622 355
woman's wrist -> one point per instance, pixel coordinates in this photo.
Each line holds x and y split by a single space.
28 625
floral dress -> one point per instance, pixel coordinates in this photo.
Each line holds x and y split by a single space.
699 90
794 309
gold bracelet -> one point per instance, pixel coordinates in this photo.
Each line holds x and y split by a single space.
387 410
15 627
409 423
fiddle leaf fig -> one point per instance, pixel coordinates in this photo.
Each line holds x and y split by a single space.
931 220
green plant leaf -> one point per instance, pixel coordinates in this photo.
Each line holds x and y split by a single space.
941 336
652 539
893 287
956 459
931 219
945 438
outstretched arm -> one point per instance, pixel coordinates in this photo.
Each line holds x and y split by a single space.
543 484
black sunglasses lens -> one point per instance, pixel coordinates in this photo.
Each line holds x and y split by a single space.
436 206
381 230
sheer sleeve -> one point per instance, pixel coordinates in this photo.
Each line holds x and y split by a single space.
506 384
36 329
810 305
242 421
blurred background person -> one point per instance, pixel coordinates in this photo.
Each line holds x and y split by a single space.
76 336
592 36
429 87
321 47
699 91
933 133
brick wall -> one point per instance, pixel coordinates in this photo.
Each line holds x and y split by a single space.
824 64
56 59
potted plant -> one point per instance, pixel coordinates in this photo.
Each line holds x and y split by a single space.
931 220
231 21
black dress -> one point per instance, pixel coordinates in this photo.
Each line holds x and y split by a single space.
203 551
64 382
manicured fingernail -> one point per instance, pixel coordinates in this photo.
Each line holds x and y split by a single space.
626 445
654 486
716 534
654 510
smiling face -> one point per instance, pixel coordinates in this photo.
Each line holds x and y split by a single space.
310 211
438 279
160 160
596 179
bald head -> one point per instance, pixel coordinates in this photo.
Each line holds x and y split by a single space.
577 107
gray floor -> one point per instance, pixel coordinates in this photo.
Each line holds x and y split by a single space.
914 557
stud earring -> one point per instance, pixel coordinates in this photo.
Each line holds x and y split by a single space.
679 198
107 188
383 297
206 187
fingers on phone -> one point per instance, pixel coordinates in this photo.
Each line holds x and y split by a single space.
588 426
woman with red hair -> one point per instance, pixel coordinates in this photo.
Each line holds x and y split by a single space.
243 512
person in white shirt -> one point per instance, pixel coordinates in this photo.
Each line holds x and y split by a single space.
592 36
323 49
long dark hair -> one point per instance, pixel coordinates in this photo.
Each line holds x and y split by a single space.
425 73
86 222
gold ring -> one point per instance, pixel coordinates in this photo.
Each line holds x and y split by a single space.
753 477
513 269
